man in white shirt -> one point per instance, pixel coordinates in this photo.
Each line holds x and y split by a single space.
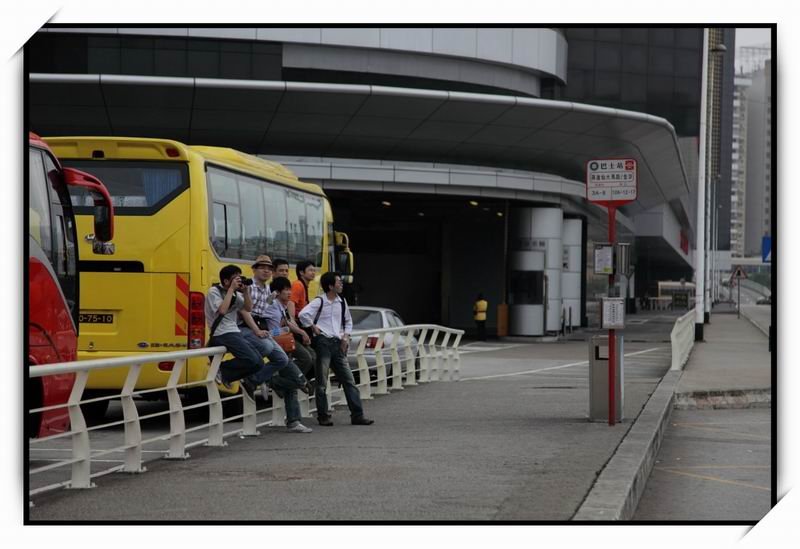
331 324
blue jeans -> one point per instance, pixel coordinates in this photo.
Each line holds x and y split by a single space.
330 355
246 362
269 349
287 380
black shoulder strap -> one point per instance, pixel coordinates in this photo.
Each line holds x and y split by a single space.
219 316
319 311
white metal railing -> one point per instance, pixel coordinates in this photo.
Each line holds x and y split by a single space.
428 357
756 287
682 338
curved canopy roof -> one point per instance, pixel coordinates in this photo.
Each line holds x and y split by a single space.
363 121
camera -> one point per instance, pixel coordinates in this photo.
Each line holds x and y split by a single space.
246 281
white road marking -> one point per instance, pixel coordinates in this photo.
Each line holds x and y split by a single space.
475 348
553 367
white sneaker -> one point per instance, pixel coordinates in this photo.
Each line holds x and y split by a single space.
218 381
299 428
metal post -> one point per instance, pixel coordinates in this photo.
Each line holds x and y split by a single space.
707 205
612 347
739 297
700 245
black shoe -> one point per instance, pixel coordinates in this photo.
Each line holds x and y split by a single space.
361 420
249 388
325 421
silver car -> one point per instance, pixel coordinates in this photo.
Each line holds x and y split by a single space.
375 318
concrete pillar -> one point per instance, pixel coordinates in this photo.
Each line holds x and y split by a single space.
571 270
535 264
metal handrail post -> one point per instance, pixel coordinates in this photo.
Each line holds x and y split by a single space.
177 422
364 385
215 415
424 375
411 366
380 366
81 450
133 429
397 366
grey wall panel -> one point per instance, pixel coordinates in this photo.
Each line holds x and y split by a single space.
408 39
461 42
230 33
367 38
495 45
308 35
525 47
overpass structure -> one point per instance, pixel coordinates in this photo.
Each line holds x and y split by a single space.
452 119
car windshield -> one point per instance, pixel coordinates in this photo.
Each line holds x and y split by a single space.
366 320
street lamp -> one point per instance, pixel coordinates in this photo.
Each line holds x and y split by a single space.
701 250
711 288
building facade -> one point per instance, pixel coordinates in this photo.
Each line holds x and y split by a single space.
454 157
758 219
739 166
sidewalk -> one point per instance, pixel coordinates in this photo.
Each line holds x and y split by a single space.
730 369
714 463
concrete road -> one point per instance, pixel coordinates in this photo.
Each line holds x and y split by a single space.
713 465
509 442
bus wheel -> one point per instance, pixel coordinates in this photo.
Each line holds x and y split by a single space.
233 407
34 401
94 411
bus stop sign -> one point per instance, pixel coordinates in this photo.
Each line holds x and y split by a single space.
612 181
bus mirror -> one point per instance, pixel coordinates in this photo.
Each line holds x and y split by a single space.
345 261
103 208
103 228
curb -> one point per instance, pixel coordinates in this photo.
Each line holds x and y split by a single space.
616 493
722 399
754 323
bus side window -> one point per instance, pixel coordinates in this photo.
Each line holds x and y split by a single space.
39 224
218 240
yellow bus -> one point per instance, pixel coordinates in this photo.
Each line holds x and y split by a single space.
182 213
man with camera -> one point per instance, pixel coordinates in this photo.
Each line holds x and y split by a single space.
255 330
223 303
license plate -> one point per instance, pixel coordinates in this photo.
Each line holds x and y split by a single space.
95 318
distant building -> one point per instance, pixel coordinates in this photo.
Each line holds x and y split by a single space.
758 210
739 165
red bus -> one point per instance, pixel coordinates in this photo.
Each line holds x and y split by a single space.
53 277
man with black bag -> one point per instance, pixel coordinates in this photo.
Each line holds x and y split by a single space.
331 323
222 305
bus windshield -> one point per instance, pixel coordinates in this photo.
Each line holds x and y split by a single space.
136 188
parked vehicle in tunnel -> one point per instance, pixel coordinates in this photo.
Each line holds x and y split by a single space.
52 290
183 213
375 318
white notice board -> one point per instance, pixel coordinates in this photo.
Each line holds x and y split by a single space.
613 313
604 259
